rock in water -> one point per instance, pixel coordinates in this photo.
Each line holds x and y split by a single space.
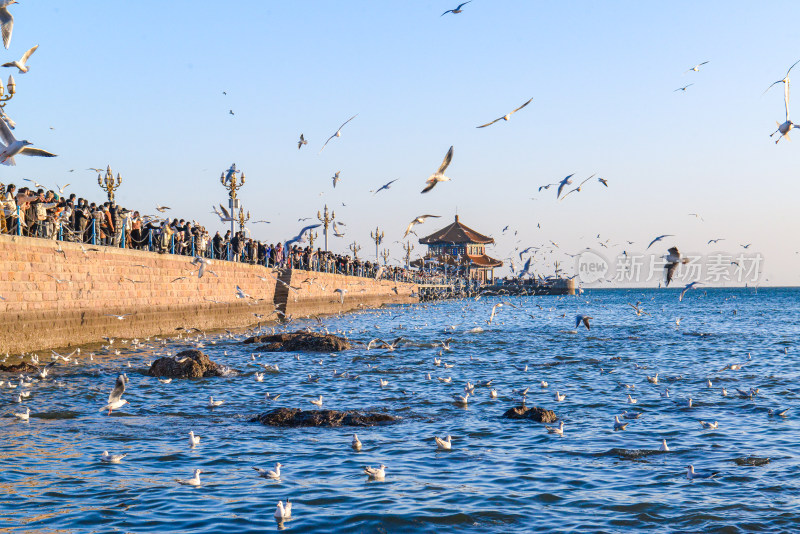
22 367
294 417
300 342
186 364
540 415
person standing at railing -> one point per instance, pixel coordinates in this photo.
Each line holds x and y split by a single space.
8 208
23 199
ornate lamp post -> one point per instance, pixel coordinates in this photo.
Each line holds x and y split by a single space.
12 90
408 247
243 219
354 247
230 181
385 255
108 184
326 221
376 236
312 235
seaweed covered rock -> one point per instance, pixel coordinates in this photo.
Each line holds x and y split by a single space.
22 367
300 342
540 415
186 364
294 417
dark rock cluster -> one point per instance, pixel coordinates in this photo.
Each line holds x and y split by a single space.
294 417
186 364
300 342
540 415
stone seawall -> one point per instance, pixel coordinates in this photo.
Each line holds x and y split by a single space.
55 294
315 293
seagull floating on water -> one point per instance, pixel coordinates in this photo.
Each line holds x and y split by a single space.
691 474
376 474
272 475
194 481
112 458
356 443
559 430
193 440
443 444
283 512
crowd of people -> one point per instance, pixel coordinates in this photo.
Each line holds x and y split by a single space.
48 215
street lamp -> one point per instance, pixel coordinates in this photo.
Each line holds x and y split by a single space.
229 181
354 247
12 90
108 184
385 254
325 220
408 247
376 236
243 219
312 235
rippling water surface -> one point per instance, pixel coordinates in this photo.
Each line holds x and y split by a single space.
501 475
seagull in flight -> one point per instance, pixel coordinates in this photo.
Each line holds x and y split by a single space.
683 88
582 319
659 238
603 181
301 142
674 259
384 186
335 178
12 147
439 176
687 288
577 189
162 209
697 215
21 64
696 67
455 11
506 116
562 184
419 220
224 216
785 79
715 241
338 132
115 399
299 236
6 21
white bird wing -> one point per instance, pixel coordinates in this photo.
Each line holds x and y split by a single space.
7 26
489 123
5 133
119 389
27 54
446 162
225 211
522 106
30 151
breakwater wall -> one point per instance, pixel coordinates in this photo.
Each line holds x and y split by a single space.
59 294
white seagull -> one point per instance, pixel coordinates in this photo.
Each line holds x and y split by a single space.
443 444
419 220
687 288
556 430
24 416
664 447
317 402
696 67
6 21
506 116
12 147
273 475
112 458
115 400
376 474
619 425
193 440
214 403
439 176
21 64
356 443
194 481
691 474
559 397
338 132
283 512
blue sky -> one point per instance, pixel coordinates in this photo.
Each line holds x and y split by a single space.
138 85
